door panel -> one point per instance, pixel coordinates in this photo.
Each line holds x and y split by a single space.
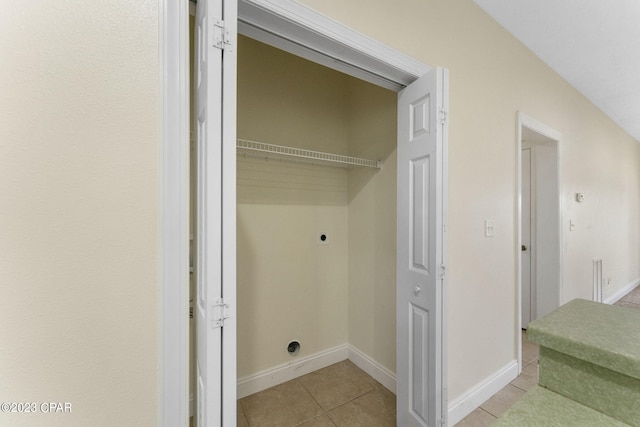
525 252
208 284
420 223
215 260
419 356
421 206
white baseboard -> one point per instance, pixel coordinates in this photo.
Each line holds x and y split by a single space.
622 292
477 395
373 368
289 371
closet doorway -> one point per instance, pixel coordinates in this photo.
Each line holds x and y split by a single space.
327 228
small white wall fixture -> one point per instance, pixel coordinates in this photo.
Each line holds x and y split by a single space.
549 236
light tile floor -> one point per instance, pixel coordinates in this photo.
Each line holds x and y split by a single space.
339 395
344 395
631 300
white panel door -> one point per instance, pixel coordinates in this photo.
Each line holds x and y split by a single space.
525 250
422 156
215 80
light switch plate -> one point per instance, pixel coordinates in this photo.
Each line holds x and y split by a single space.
489 228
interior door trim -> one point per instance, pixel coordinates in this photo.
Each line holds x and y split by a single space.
293 27
173 221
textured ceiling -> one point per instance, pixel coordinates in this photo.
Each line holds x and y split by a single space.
593 44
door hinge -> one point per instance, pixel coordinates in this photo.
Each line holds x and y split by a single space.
221 36
443 270
442 115
219 312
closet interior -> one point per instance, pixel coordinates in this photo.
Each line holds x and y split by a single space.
316 213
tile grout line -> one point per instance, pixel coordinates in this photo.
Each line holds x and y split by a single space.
519 388
314 399
243 413
355 398
326 412
484 410
488 412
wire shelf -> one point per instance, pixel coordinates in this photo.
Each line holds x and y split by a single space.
269 151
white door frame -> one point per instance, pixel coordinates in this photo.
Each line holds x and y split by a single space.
173 230
532 227
291 27
523 120
297 29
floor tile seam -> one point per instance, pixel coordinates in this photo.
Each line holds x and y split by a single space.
501 390
518 387
487 412
306 421
349 401
243 413
326 413
332 420
382 389
309 419
373 388
312 397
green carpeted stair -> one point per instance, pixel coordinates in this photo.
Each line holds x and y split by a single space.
589 373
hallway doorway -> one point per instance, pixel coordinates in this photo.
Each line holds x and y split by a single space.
539 220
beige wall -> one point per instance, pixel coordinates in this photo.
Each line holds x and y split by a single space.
289 287
372 223
78 210
492 76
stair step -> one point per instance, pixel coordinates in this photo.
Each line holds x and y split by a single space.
602 334
602 389
590 353
541 407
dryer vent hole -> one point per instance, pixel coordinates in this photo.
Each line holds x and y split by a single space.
323 238
293 348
